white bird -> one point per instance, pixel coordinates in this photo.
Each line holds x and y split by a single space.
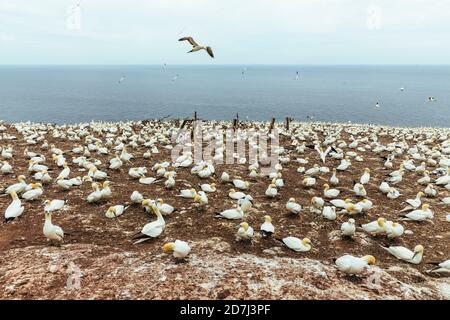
152 229
293 207
402 253
245 232
375 227
179 248
393 229
197 47
236 195
334 179
348 228
241 184
329 212
420 214
17 187
235 213
296 244
416 202
95 195
188 193
208 187
6 168
330 193
267 227
365 178
164 208
246 203
271 191
136 197
35 192
53 205
441 267
15 209
115 211
359 190
147 180
354 265
53 233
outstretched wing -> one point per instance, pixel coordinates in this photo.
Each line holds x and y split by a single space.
210 52
190 39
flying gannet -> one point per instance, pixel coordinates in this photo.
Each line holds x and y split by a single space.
196 46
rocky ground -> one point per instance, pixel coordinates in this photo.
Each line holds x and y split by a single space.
99 261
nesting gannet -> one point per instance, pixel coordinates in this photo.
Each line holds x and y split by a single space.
187 193
407 255
414 203
245 203
293 207
96 194
419 214
245 232
393 229
236 195
309 181
365 204
165 208
106 190
136 197
393 193
348 228
317 204
208 187
53 205
271 191
296 244
15 209
241 184
334 179
196 46
201 198
375 227
384 187
53 233
115 211
430 191
330 193
267 228
17 187
359 190
365 178
225 177
441 267
235 213
6 168
329 212
152 229
179 248
354 265
35 192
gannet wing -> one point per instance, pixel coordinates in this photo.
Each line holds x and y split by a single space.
210 52
190 39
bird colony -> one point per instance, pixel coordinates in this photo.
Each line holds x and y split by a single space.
354 197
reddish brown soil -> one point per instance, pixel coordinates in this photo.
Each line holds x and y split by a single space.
114 268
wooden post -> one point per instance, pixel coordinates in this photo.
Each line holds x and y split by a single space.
271 125
288 120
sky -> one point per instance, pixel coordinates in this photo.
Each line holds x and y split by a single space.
239 31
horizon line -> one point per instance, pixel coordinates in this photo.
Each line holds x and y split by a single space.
223 64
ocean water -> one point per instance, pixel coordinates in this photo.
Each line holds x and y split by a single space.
71 94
